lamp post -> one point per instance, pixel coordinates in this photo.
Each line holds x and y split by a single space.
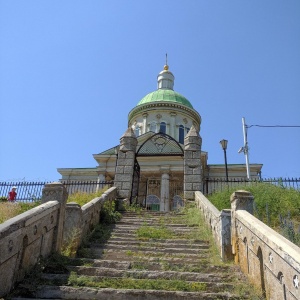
224 147
117 154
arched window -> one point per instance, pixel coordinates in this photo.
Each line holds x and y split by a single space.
163 127
153 127
187 130
181 134
137 131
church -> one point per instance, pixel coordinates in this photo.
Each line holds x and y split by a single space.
159 161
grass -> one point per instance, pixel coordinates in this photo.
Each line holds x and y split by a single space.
130 283
276 206
146 232
9 210
82 198
278 199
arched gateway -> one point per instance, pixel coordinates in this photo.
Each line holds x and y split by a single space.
160 185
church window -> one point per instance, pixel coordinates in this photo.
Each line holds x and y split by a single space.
163 127
181 134
153 127
137 131
187 130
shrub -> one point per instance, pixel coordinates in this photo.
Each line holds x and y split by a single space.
108 213
82 198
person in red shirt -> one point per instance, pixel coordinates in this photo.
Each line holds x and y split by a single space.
12 194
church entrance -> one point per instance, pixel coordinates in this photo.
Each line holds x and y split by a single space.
161 180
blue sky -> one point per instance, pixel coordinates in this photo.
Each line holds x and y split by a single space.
70 71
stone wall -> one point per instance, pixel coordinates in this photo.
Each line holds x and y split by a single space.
79 221
269 260
40 231
219 222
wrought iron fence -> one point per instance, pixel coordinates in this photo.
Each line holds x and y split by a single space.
85 186
32 191
211 185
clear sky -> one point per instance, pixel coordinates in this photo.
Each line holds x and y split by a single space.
70 71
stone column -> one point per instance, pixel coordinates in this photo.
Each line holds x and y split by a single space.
100 179
57 191
192 164
144 123
125 164
164 193
172 125
240 200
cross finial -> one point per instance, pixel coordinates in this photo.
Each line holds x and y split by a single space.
166 67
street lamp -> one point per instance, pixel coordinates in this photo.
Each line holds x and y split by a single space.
224 147
117 154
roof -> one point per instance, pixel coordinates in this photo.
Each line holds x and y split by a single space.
167 96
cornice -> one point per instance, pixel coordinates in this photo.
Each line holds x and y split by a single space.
139 109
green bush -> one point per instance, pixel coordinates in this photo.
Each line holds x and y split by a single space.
108 213
3 199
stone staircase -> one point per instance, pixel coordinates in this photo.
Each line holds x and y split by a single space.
121 262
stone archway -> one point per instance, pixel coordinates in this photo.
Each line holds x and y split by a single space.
160 147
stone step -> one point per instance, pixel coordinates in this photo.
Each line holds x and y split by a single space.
131 245
146 274
103 248
62 279
153 257
124 253
84 293
168 241
132 235
147 221
184 244
152 264
132 230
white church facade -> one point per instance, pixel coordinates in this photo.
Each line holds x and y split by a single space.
159 160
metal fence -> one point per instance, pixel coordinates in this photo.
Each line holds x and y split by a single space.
32 191
211 185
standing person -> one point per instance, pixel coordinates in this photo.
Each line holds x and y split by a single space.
12 194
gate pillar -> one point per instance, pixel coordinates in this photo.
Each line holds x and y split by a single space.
192 164
125 164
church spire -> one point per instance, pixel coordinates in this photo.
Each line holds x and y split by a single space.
165 79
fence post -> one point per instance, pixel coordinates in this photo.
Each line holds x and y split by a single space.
57 191
240 200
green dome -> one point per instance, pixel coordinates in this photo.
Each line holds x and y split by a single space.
165 95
